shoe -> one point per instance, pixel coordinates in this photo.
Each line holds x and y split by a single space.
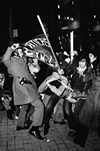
28 123
46 129
18 128
62 123
71 135
82 145
26 126
79 143
76 142
35 132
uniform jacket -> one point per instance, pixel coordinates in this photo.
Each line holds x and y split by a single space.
17 67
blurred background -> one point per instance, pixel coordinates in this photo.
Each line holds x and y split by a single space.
19 23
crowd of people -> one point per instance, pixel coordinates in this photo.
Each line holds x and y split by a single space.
75 85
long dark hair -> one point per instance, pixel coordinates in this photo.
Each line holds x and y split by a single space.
96 64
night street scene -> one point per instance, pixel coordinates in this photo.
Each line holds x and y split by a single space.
49 75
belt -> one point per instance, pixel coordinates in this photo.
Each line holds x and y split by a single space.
25 81
63 92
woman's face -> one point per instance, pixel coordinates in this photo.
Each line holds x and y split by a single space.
92 57
82 63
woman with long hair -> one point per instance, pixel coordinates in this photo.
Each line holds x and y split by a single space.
89 115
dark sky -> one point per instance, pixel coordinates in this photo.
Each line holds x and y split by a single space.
24 18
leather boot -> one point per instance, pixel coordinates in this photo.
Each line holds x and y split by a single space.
46 129
18 128
10 114
35 132
28 123
71 135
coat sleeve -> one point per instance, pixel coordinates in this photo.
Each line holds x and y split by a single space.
7 57
88 76
43 85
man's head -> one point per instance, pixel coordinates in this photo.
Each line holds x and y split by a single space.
33 66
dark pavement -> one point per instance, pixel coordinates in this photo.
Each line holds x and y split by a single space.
56 140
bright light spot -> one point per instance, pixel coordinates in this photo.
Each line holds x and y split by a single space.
48 140
59 38
61 47
58 16
72 19
16 117
58 6
62 37
60 42
72 2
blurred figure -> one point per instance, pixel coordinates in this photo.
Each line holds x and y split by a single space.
2 80
7 103
5 95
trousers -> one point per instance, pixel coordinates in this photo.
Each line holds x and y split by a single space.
68 114
36 116
50 107
22 115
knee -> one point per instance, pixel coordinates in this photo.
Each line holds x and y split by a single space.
41 106
68 111
48 107
22 108
38 104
